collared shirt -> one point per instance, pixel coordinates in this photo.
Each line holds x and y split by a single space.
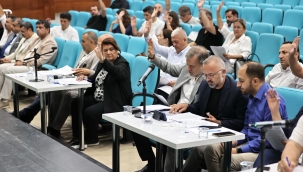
258 110
169 53
241 46
68 34
8 48
231 27
187 89
278 77
155 29
297 134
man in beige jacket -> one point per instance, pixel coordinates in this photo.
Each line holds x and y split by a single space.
43 45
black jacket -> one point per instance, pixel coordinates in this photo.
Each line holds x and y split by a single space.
117 85
232 105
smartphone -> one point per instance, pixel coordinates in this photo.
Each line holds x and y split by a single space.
222 134
264 168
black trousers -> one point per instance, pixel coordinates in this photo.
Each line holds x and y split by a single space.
92 114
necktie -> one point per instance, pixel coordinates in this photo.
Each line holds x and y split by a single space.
6 45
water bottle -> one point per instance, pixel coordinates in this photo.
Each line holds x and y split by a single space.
30 74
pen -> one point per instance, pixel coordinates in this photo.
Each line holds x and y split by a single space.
288 162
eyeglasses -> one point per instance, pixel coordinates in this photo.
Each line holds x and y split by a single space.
211 76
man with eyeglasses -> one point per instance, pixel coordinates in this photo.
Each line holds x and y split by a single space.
220 101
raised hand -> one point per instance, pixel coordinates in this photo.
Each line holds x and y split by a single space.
133 21
155 12
200 4
115 21
273 100
99 53
220 6
147 27
151 49
165 17
121 14
294 46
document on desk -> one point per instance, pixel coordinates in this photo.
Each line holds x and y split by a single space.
154 107
182 116
167 89
219 51
71 81
275 137
66 70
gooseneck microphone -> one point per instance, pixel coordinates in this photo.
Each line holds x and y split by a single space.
145 75
274 124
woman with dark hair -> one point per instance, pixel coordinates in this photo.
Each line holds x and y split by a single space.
171 20
164 38
110 91
123 21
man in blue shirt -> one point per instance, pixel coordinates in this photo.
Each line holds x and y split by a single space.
251 82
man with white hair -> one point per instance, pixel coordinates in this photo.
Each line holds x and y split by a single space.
220 101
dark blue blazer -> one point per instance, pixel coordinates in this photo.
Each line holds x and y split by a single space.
232 105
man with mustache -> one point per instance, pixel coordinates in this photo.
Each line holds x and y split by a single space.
231 15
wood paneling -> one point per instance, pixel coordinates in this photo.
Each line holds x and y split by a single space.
42 9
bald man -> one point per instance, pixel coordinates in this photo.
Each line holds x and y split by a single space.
60 106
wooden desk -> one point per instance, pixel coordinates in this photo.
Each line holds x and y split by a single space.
24 148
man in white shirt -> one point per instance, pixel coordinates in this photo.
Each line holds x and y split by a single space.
281 74
157 24
6 24
186 17
65 31
231 15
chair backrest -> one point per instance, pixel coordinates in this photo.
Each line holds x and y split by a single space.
257 1
147 3
104 32
196 28
273 16
254 36
232 3
70 54
136 45
92 30
109 11
60 44
248 25
82 19
109 21
80 31
240 1
268 55
248 4
251 14
186 27
262 28
214 11
293 98
139 14
238 8
298 7
74 15
131 13
292 3
141 64
33 22
274 2
136 5
174 6
282 7
122 41
263 6
130 58
211 3
54 24
289 33
293 18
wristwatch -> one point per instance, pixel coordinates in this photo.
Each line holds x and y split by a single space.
239 150
152 57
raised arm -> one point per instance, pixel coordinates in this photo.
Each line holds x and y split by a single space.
121 25
1 11
295 67
219 19
168 26
167 5
205 20
112 25
103 8
134 27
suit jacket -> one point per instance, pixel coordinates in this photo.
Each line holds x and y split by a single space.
232 104
117 85
45 46
15 43
91 61
21 52
181 72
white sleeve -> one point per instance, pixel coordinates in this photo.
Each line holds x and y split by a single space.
159 49
142 27
270 74
225 31
297 134
75 36
245 47
3 20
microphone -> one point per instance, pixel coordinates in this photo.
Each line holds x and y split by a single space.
274 124
145 75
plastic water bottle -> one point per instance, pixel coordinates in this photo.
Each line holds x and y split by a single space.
30 73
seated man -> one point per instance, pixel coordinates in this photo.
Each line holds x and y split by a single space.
220 101
251 82
43 45
231 15
184 91
149 14
281 75
186 17
13 39
209 34
98 20
65 31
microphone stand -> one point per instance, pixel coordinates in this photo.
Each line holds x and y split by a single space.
263 144
36 57
144 97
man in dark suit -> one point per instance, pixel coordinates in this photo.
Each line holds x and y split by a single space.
220 101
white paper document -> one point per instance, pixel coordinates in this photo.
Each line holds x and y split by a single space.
154 107
162 99
219 51
193 36
71 81
165 79
275 137
167 89
66 70
182 116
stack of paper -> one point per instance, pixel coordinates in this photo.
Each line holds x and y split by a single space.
66 70
71 81
154 107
